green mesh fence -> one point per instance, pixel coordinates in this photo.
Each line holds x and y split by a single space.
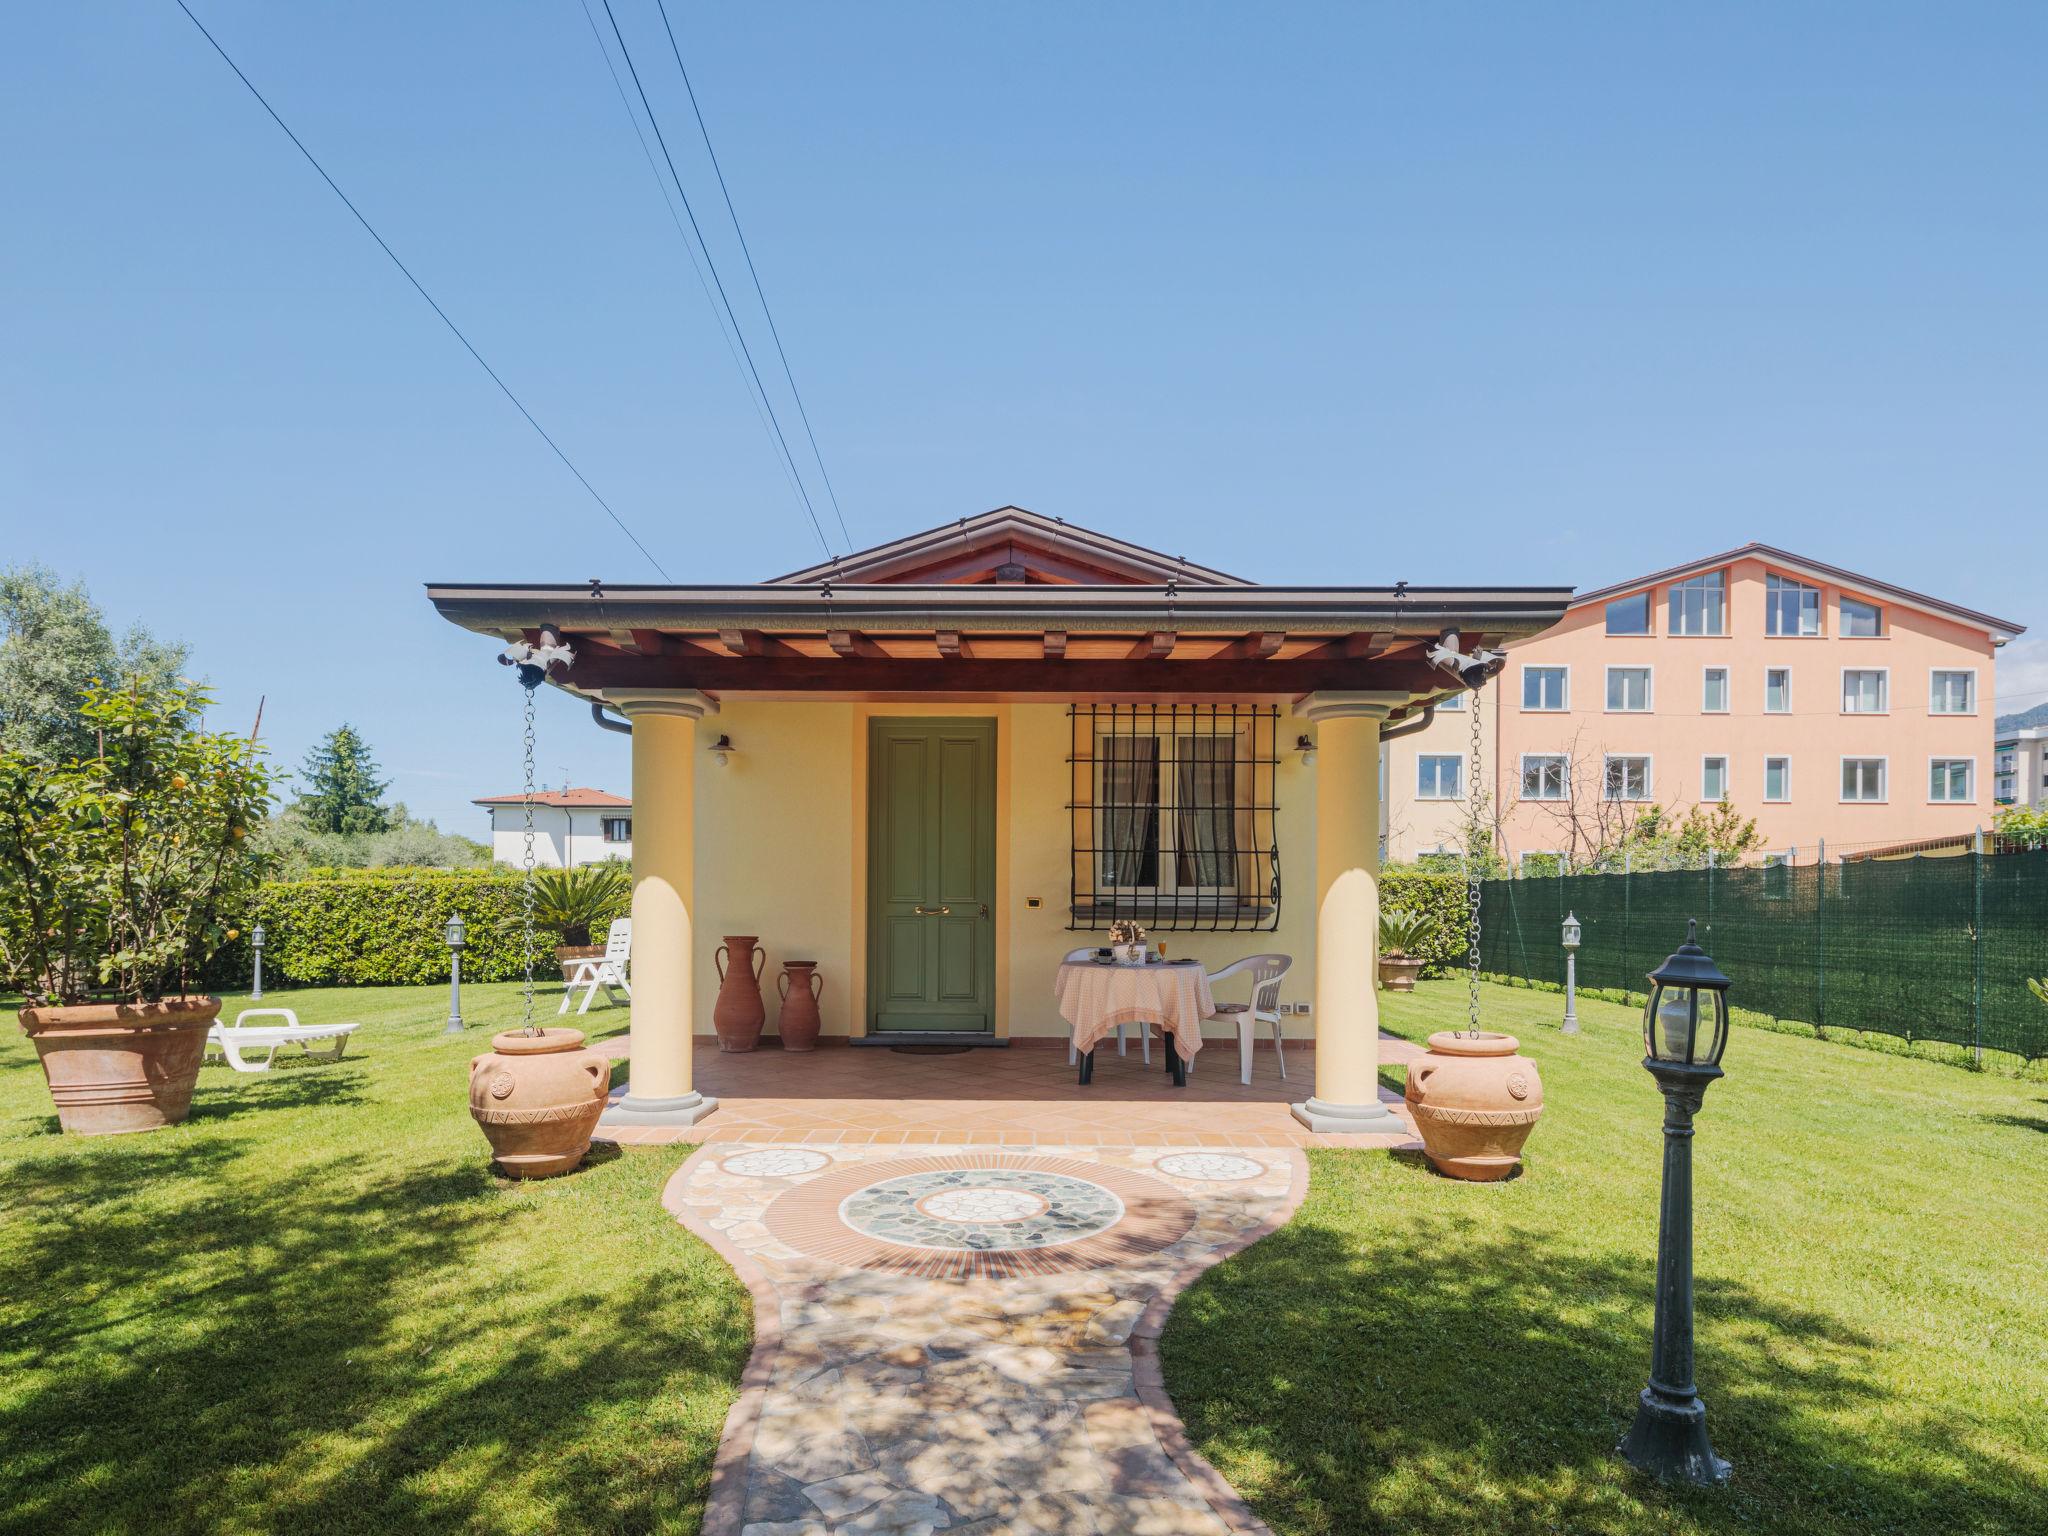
1923 949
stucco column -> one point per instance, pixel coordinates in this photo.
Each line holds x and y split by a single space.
658 1085
1347 1011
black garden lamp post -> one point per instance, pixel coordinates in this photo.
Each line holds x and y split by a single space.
456 936
1685 1029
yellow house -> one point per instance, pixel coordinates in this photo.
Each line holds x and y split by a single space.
936 766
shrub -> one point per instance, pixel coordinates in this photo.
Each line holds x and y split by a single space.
384 927
1438 904
573 903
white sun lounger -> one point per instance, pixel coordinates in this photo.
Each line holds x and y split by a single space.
607 971
233 1041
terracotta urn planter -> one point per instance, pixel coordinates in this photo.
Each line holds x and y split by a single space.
798 1022
537 1099
119 1067
1475 1102
739 1012
566 956
1398 973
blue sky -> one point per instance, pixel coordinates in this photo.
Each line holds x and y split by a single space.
1353 293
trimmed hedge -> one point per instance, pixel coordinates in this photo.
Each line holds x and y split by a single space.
384 927
1442 899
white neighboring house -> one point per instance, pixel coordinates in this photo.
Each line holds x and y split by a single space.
570 826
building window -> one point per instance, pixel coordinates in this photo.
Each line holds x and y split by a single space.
1629 615
1777 779
1173 816
1626 778
1713 778
1952 691
1628 689
1790 607
1699 606
1863 778
1714 691
1439 778
2007 761
1778 691
1865 691
1861 620
618 829
1546 688
1952 778
1453 701
1545 776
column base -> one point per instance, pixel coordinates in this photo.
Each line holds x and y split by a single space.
1373 1119
1669 1441
683 1110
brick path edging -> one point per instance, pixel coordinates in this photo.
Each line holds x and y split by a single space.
1149 1380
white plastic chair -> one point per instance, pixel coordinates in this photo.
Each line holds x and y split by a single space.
232 1040
1077 957
1266 971
607 970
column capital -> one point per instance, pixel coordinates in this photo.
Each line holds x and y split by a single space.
1348 705
687 703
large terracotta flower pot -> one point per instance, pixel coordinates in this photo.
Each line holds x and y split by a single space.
1398 973
119 1067
1475 1102
537 1099
567 956
739 1012
798 1022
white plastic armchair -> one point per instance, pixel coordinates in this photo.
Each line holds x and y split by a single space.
1078 957
607 970
1266 972
232 1040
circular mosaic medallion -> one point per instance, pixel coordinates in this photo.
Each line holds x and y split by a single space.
979 1214
981 1209
775 1163
1209 1167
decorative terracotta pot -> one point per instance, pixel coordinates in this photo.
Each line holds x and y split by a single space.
537 1099
798 1022
566 956
119 1067
739 1012
1475 1103
1398 973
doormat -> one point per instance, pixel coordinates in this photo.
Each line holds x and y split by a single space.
931 1050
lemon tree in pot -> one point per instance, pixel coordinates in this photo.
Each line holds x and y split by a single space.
120 874
577 904
1403 935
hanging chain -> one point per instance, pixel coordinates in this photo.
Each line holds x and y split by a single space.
1472 873
526 865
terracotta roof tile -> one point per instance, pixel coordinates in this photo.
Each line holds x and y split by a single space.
571 797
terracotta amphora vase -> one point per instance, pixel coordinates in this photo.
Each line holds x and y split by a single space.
1475 1102
798 1022
739 1012
537 1098
113 1068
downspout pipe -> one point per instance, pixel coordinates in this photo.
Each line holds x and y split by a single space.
606 722
1410 727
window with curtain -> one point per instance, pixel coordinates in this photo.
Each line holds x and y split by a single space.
1862 620
1953 691
1951 778
1790 607
1129 810
1863 691
1205 810
1714 690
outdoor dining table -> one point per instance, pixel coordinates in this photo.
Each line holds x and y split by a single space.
1096 996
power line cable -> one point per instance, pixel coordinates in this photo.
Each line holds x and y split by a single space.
689 249
733 214
421 290
662 139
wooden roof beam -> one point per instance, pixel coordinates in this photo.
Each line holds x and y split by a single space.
851 642
1154 647
751 642
1358 647
953 645
1256 646
1053 644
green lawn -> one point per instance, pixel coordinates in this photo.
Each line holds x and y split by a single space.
313 1308
1417 1355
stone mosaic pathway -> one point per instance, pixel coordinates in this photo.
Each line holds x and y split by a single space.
961 1339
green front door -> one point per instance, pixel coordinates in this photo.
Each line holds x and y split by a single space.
931 875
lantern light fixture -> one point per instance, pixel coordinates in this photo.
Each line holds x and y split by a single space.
722 750
456 936
1685 1021
1572 933
256 949
1306 748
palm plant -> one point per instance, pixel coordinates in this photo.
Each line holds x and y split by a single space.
574 901
1404 933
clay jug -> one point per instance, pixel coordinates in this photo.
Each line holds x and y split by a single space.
798 1022
739 1012
1475 1102
537 1099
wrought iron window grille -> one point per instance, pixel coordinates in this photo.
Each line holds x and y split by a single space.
1173 816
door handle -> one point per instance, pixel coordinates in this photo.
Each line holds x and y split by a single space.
932 911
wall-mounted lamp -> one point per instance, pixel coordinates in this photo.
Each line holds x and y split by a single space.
1306 748
722 750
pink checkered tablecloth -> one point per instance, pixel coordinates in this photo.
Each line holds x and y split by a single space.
1096 998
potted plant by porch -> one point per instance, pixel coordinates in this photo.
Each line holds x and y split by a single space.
574 902
119 875
1403 935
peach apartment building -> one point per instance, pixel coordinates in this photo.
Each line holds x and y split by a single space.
1828 705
